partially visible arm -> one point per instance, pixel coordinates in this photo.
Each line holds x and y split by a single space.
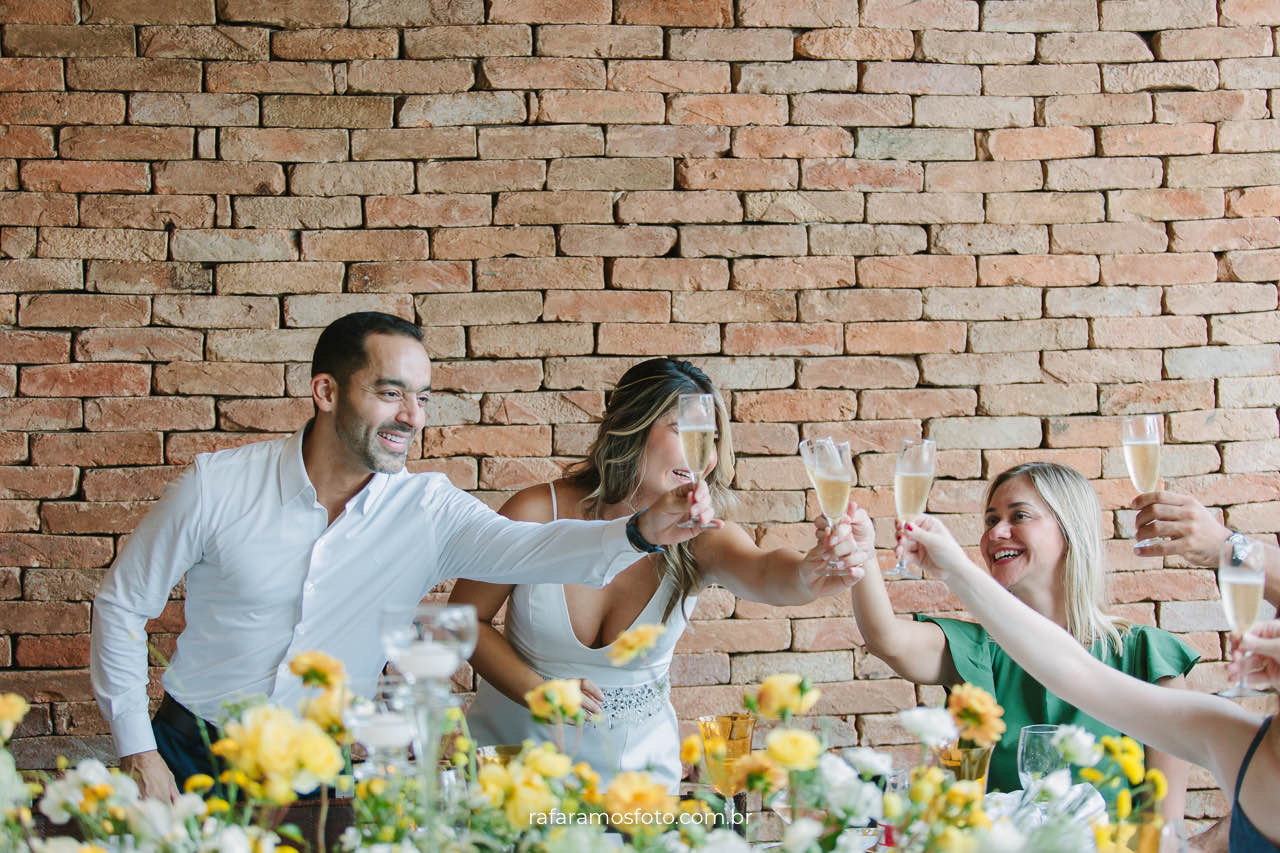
1215 839
1206 730
1175 770
781 576
136 588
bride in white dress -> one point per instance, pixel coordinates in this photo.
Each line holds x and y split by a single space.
565 631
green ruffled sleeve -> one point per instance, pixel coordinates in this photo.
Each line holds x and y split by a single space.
1153 653
970 650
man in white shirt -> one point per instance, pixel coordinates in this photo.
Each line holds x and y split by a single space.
299 543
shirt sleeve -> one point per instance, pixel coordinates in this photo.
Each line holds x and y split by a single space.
480 544
970 650
1153 653
166 544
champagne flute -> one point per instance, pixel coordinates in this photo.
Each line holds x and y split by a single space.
725 739
830 468
912 479
1140 435
697 425
1240 582
1037 757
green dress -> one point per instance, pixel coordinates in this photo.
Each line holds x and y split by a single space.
1148 653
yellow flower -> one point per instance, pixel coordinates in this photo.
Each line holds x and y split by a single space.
977 714
216 805
783 695
494 780
12 709
317 669
326 710
318 754
925 785
547 762
1091 775
1132 768
528 795
1124 804
198 783
454 715
964 794
630 796
1159 784
892 806
631 643
793 749
555 699
953 840
691 749
758 773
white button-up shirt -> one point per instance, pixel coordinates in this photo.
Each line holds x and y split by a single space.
269 577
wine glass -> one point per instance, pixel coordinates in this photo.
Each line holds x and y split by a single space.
696 421
725 739
1140 436
1240 582
1037 757
383 725
830 468
912 479
428 642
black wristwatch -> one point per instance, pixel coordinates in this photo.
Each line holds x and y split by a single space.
636 538
1239 546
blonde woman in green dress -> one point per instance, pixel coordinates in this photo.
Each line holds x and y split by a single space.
1042 541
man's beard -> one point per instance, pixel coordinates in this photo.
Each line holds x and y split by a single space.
367 447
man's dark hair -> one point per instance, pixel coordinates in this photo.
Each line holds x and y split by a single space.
340 350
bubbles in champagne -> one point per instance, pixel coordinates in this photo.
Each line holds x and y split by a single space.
1143 461
911 493
698 445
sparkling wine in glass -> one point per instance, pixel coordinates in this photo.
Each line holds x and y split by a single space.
830 469
1141 439
725 739
1240 583
696 421
1037 757
912 480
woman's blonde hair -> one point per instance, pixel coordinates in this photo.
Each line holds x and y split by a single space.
612 469
1075 506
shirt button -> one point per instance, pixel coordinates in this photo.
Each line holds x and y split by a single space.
309 587
300 630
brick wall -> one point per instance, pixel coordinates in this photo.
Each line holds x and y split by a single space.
999 224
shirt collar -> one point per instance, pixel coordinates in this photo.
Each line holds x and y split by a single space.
294 480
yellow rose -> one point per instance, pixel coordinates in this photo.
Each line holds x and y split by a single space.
318 754
528 795
546 762
631 643
977 714
552 699
793 749
494 780
326 710
785 694
12 709
691 749
317 669
758 773
633 794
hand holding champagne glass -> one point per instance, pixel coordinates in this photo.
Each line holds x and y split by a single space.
1240 581
696 422
830 468
912 480
1141 439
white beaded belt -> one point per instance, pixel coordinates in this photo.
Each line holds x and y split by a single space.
625 706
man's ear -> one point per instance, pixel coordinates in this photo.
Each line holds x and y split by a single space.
324 392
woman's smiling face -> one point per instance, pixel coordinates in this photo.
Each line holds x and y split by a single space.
1021 540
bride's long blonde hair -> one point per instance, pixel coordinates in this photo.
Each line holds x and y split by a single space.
611 472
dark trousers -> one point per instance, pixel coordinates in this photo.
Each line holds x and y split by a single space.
180 742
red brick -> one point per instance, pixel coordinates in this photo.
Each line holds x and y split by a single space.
59 108
26 347
1108 238
1158 269
478 376
1165 204
539 274
1250 265
83 310
846 174
139 345
979 368
739 240
1157 140
475 440
26 142
1254 201
665 76
854 43
568 107
783 338
1165 396
523 142
551 12
542 408
38 12
227 378
685 274
1132 332
1213 42
656 339
45 618
284 415
1039 143
69 517
734 175
577 307
37 208
227 178
36 483
85 380
794 142
904 338
1098 109
525 241
40 414
25 75
410 143
708 206
748 45
846 305
335 44
685 141
54 40
866 239
16 516
610 173
147 277
613 241
530 340
136 448
1187 107
326 111
1220 235
218 42
73 177
489 176
610 41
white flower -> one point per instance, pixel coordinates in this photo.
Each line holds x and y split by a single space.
13 791
1055 785
857 802
833 771
1003 837
725 841
801 835
1077 746
868 762
856 840
933 726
